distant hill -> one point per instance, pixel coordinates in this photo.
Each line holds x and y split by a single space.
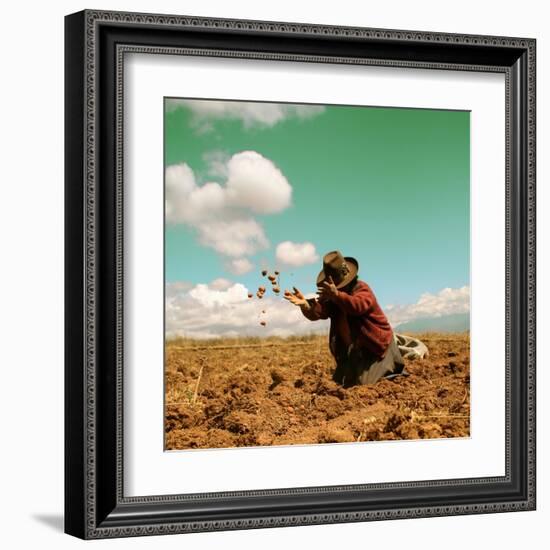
459 322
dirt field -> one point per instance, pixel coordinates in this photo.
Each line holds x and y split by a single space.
238 393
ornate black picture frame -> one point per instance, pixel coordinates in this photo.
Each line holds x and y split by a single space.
95 504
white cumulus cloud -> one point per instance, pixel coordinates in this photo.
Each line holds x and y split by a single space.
220 284
233 237
239 266
296 254
448 301
176 288
255 183
209 297
223 215
206 312
187 202
223 309
216 162
250 114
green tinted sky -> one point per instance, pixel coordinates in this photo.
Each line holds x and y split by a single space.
389 186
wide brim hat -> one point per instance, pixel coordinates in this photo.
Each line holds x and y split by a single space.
342 269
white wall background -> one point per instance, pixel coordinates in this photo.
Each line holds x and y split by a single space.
31 276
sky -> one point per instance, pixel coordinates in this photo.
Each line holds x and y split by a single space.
263 185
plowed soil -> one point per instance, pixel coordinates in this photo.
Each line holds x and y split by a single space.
239 393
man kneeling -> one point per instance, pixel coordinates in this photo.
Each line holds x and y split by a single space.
361 338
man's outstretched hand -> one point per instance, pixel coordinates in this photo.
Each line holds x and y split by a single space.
296 297
327 290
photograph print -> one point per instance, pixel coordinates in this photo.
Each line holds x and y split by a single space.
317 274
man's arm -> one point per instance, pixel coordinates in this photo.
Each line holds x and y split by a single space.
357 304
314 310
311 308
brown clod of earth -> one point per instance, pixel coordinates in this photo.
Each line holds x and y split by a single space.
276 391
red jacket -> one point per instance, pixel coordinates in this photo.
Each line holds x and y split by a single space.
368 326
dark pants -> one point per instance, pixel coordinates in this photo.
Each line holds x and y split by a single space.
360 366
